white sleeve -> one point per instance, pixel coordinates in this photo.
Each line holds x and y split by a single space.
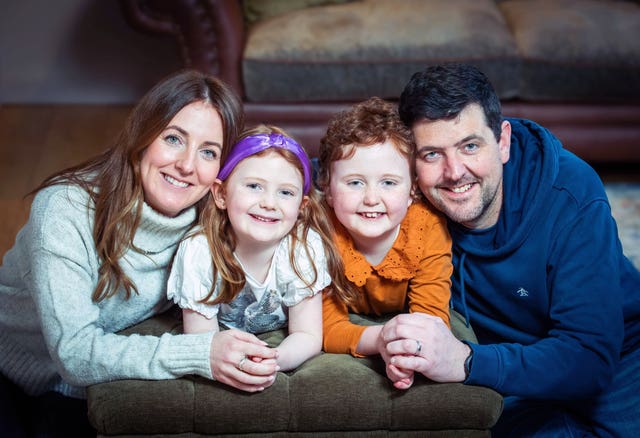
293 288
191 276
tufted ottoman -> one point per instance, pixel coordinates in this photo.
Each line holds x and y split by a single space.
331 394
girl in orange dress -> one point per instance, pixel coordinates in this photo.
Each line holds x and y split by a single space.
396 249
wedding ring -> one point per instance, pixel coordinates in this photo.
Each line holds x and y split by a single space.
241 363
418 348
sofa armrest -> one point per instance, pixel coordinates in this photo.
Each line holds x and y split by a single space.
210 32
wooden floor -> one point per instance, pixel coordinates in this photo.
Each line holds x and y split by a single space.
37 140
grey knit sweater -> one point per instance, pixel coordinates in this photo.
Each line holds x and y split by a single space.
53 337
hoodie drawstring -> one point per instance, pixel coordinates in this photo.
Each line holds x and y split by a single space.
463 294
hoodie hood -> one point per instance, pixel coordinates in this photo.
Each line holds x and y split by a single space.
552 300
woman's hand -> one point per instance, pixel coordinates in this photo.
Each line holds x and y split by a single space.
241 360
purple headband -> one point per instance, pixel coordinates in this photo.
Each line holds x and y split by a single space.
253 144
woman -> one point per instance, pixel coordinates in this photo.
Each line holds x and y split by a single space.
93 258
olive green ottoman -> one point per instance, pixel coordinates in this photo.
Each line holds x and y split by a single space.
329 395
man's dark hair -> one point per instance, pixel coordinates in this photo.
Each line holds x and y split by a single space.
443 91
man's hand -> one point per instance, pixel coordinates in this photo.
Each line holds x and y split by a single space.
440 357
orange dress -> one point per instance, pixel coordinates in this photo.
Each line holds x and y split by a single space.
415 274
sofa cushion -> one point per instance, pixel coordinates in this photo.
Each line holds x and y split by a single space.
256 10
354 50
329 393
576 49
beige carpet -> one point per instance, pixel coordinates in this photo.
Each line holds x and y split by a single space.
625 207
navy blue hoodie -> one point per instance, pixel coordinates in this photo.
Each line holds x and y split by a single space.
551 297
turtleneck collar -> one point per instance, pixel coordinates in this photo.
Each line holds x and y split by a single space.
157 232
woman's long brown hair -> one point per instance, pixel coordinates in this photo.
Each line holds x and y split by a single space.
112 179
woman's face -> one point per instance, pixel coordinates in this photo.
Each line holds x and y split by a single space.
181 164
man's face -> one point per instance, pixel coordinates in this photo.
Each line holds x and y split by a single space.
460 164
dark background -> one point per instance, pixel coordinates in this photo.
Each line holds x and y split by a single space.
77 51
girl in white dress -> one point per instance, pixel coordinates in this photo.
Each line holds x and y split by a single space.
260 258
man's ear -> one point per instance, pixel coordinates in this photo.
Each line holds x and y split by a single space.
505 142
219 195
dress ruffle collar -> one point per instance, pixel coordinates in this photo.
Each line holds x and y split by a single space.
402 260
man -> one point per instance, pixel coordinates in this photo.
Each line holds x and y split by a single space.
538 267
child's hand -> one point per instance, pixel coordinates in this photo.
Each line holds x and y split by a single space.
401 378
266 362
263 361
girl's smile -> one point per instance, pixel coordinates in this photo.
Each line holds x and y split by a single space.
262 197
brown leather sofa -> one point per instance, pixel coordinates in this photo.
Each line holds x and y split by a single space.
571 65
